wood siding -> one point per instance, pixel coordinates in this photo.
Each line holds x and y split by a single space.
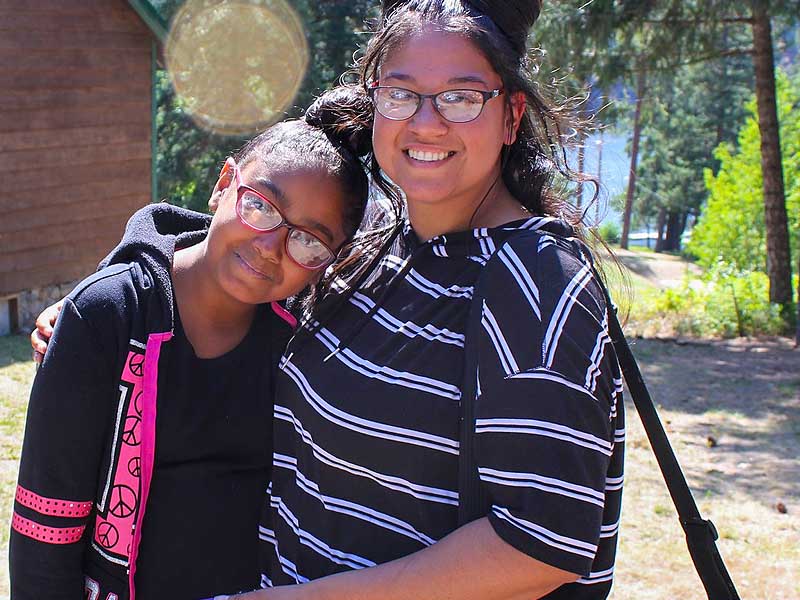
75 126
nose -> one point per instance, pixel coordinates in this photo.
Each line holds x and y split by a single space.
270 245
427 120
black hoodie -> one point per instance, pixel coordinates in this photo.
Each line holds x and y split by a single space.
88 453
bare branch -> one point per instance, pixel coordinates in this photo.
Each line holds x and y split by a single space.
699 59
679 21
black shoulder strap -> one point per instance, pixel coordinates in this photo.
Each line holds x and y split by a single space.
473 500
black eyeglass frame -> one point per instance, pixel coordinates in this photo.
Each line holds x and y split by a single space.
421 98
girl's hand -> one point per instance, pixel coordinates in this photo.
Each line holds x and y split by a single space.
44 330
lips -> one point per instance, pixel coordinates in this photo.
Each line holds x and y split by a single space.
248 266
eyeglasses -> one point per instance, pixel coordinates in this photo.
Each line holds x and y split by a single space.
456 106
259 213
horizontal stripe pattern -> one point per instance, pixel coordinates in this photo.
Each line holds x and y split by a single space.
409 329
385 373
57 536
367 411
544 428
52 506
397 484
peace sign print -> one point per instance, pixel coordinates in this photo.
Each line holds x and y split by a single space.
123 501
136 364
137 403
106 535
135 466
132 435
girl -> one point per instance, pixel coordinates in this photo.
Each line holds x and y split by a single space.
364 497
147 447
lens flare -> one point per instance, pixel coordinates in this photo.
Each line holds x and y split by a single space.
236 65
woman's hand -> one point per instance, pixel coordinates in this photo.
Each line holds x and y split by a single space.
44 330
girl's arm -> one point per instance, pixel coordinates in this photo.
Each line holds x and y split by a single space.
472 563
68 416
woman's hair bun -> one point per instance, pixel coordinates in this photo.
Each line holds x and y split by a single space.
514 17
344 114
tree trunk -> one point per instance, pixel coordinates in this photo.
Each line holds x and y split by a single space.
637 131
676 225
778 258
660 223
672 241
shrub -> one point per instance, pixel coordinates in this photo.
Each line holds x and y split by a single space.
610 232
719 303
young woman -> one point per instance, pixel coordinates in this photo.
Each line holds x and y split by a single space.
184 325
364 498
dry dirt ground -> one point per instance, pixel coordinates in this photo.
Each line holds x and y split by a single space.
732 412
662 270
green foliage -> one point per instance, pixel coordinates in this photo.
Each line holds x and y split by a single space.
731 230
610 232
721 303
189 158
687 116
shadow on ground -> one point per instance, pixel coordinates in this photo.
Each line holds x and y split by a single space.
639 264
732 409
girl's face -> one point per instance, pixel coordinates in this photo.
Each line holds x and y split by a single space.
252 266
461 160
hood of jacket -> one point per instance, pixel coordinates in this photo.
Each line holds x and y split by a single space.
150 239
477 244
480 243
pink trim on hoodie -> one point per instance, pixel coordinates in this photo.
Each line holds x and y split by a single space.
148 447
284 314
52 506
43 533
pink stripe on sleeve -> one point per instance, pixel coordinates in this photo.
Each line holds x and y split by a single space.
52 506
42 533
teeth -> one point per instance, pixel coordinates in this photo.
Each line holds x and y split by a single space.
428 156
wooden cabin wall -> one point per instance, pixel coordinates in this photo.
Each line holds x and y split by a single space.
75 127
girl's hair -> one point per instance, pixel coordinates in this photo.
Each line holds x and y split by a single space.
325 139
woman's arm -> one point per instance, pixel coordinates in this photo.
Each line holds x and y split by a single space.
41 335
472 563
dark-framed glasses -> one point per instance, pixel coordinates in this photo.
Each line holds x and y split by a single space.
456 106
258 212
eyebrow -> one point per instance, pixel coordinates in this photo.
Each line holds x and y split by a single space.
281 197
452 80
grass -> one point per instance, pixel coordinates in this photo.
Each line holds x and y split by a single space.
16 374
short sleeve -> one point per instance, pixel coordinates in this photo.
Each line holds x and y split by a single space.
548 383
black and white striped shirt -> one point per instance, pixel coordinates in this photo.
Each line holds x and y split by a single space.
366 414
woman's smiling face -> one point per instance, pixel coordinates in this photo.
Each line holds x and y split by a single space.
432 160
